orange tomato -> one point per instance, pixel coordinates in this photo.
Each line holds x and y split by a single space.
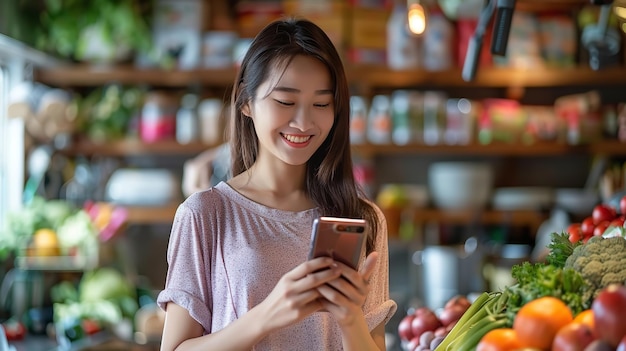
501 339
538 321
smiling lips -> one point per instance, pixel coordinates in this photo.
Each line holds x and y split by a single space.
297 140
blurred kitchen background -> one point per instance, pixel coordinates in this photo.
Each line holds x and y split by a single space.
108 107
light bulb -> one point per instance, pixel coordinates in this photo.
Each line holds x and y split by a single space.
620 11
417 18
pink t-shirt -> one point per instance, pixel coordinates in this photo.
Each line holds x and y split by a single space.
226 253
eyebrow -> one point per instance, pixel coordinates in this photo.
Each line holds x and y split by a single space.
294 90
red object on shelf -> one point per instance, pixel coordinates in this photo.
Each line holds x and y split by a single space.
465 29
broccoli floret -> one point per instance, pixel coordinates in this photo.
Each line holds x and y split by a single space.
601 261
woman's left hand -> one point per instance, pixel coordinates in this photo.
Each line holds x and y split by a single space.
345 296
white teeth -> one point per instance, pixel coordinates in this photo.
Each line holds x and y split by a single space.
296 139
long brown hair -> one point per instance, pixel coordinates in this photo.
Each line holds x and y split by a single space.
329 179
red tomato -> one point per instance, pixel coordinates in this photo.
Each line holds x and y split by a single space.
602 213
576 236
600 228
609 309
622 205
587 226
617 222
575 232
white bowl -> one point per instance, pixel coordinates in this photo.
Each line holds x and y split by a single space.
523 198
460 185
576 201
143 187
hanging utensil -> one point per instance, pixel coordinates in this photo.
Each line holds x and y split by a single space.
38 162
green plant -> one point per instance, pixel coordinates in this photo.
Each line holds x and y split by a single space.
95 30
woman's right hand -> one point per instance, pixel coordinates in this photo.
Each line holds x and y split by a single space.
296 295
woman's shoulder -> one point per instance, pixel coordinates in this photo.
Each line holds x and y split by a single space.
203 200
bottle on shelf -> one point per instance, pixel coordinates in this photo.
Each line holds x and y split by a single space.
187 120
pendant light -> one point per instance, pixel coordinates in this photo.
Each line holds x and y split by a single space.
417 17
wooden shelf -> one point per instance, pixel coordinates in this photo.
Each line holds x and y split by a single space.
531 219
370 76
151 214
134 147
608 148
492 77
84 75
486 217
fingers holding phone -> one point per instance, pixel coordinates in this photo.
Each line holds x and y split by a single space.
296 294
343 239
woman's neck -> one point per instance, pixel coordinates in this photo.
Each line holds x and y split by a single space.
274 184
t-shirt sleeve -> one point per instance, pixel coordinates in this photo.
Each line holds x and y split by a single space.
378 307
187 283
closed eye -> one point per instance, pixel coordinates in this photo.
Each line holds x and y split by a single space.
322 105
284 103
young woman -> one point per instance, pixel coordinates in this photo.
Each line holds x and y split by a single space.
238 276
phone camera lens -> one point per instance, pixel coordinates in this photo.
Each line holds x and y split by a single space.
341 228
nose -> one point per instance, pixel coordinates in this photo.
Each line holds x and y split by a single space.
302 120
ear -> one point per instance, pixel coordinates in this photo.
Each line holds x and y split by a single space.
246 110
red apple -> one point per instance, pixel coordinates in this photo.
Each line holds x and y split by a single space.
573 337
609 309
425 320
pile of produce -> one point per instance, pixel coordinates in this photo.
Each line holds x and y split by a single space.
423 329
576 300
47 228
103 298
51 228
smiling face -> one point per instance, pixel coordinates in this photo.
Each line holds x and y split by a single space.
293 114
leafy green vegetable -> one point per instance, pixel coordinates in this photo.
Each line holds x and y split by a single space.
539 280
560 249
104 284
103 294
67 28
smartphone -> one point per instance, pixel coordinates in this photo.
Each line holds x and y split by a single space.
343 239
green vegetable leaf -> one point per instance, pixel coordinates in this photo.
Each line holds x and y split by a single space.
560 249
